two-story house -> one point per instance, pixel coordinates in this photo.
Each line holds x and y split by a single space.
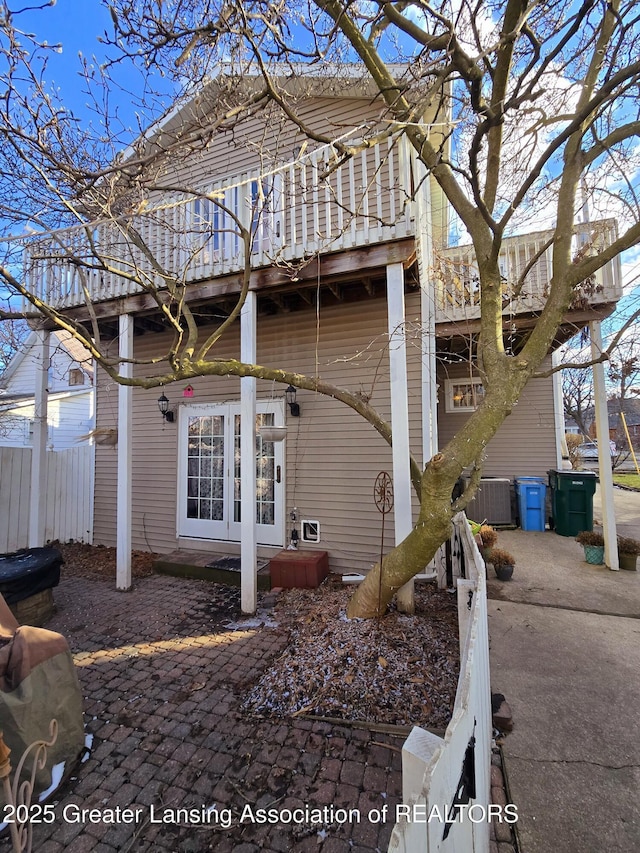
351 280
69 389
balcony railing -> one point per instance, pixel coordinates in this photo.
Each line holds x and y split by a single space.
526 268
316 204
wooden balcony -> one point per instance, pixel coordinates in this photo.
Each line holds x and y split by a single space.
315 205
525 265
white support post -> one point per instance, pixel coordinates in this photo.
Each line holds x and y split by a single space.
399 419
93 399
562 452
604 455
429 377
249 539
424 248
125 422
37 498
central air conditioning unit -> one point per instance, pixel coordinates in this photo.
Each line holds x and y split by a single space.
492 501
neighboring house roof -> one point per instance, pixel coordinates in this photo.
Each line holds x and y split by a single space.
73 349
10 401
76 350
630 407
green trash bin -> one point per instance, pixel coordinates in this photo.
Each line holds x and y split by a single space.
572 500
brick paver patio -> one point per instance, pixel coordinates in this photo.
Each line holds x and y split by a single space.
163 681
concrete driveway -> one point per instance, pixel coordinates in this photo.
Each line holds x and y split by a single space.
565 651
627 506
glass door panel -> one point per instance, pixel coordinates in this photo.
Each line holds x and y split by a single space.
209 494
269 485
204 448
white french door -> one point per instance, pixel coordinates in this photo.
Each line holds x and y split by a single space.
209 505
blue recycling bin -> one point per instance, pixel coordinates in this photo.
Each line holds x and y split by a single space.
531 493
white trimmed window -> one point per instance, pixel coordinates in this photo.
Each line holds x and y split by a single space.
76 376
463 395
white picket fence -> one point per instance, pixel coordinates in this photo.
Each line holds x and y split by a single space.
68 483
446 781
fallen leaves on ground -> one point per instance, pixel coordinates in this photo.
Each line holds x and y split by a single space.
99 561
399 669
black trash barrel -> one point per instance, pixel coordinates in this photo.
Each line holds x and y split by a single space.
572 500
27 572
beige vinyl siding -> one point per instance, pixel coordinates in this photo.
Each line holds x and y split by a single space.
313 202
270 138
155 448
332 455
525 443
106 460
439 215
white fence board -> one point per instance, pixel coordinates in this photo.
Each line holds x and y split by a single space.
432 766
15 478
69 495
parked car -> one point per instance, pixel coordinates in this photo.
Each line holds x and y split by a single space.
589 450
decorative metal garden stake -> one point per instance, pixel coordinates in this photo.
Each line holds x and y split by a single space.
383 497
19 794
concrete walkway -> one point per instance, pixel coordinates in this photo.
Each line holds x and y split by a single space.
565 651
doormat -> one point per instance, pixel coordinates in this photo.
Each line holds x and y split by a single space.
231 564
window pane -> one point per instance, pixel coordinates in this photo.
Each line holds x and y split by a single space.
205 467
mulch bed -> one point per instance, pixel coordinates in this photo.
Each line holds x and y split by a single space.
400 670
97 562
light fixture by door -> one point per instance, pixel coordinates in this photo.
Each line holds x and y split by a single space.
165 411
294 407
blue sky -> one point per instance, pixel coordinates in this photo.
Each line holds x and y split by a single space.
77 26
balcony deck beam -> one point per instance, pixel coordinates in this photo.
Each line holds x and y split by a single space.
337 267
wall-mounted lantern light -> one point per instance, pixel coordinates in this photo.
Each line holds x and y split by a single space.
165 411
294 407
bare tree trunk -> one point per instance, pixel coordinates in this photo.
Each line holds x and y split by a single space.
434 523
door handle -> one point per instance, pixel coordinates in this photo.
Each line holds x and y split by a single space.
278 474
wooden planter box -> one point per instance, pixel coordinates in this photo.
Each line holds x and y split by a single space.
302 569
